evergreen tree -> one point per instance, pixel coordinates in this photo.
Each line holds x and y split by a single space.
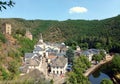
70 55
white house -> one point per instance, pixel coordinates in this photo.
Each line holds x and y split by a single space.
31 61
59 65
33 64
90 52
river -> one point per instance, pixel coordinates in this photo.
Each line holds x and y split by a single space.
101 73
97 76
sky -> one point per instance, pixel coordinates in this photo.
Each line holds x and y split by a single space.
62 9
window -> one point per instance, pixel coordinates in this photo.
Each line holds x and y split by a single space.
53 72
57 72
60 72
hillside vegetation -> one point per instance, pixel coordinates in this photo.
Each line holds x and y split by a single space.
101 34
12 50
85 33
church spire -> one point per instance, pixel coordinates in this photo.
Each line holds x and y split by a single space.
41 36
41 39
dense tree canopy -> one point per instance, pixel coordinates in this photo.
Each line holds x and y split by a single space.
80 64
70 55
101 34
115 64
97 57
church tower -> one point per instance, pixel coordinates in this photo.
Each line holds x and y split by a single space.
28 34
41 39
40 42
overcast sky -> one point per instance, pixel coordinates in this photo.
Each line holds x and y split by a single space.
62 9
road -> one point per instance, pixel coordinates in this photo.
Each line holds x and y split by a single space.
94 67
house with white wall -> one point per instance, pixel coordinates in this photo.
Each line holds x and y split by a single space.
90 52
59 65
31 61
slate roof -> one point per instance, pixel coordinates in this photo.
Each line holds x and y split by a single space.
32 62
61 54
29 55
51 50
60 61
90 51
38 49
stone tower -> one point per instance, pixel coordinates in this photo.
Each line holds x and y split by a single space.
41 39
6 28
28 35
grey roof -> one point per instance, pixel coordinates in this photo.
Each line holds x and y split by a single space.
38 57
29 55
32 62
90 51
51 50
38 49
61 54
94 51
86 53
60 61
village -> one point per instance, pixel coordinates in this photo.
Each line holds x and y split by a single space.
59 42
49 58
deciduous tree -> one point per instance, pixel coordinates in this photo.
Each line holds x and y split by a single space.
106 81
79 66
70 55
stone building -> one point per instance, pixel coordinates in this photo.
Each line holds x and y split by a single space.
31 61
6 28
28 35
59 65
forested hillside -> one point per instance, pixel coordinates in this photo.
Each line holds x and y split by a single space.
101 34
85 33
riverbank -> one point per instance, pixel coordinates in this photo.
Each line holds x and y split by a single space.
94 67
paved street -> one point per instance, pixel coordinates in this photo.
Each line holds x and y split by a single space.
44 67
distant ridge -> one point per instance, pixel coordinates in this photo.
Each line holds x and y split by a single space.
62 30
